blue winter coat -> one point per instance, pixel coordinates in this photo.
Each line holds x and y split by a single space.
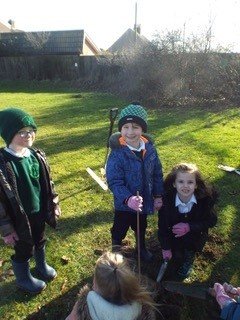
231 311
126 174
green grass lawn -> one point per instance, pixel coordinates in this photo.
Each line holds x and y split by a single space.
72 130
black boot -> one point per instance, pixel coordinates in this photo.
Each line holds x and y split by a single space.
145 255
47 272
186 268
25 280
116 245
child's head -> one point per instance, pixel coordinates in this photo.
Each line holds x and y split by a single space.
186 174
16 122
134 113
115 282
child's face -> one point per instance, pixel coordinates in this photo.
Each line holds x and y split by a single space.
24 138
131 133
185 184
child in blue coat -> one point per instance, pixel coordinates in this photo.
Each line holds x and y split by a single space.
133 166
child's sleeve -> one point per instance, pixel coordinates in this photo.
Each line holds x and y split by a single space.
158 178
164 230
6 226
115 178
207 216
231 311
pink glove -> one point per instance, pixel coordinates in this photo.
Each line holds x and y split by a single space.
11 238
229 289
157 204
167 254
135 203
221 296
180 229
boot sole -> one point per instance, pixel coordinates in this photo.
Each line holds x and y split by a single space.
31 292
45 278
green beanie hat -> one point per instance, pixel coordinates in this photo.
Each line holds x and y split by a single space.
12 120
133 113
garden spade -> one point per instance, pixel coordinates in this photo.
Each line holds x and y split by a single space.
101 180
199 291
162 270
112 117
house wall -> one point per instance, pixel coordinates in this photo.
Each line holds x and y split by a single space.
4 28
87 51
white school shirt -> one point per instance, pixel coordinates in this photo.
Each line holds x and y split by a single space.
141 146
185 207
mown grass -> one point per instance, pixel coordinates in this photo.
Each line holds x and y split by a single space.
72 130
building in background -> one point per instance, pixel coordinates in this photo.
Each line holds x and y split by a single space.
68 42
4 28
131 41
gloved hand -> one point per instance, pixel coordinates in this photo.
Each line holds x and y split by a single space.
221 296
180 229
11 238
167 254
57 211
231 290
135 203
157 204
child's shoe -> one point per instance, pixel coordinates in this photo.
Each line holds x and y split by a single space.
47 272
146 255
186 268
25 281
116 245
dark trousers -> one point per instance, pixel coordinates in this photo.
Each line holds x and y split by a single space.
23 249
123 220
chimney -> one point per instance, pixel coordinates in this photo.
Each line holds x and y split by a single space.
12 24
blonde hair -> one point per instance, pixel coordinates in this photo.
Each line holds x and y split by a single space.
117 283
203 189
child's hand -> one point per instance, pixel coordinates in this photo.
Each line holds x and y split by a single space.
157 204
231 290
135 203
167 254
180 229
11 238
57 211
221 295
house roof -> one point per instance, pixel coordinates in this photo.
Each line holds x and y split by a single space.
4 28
68 42
129 41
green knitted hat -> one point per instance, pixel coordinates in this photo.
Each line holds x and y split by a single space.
12 120
133 113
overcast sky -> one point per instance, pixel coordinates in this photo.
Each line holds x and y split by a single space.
106 20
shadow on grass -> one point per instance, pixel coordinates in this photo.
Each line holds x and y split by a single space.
82 222
88 111
57 309
227 265
9 292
